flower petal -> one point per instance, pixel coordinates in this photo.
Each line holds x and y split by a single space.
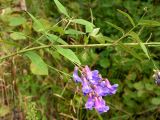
100 105
100 91
88 72
75 75
86 87
92 76
112 88
90 103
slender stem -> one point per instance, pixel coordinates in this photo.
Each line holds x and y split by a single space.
76 46
92 18
125 35
67 25
44 34
148 110
59 71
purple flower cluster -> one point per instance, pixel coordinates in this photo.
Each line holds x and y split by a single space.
95 87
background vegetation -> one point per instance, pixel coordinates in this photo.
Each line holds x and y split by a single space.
37 83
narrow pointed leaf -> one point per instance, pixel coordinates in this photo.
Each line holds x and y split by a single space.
61 8
136 37
37 22
18 36
82 22
149 23
129 50
89 28
69 54
73 32
116 27
128 16
94 32
88 25
55 38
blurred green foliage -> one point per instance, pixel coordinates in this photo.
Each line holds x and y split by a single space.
27 94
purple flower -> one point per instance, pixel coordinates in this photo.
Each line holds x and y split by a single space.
95 76
85 86
112 88
75 75
94 86
88 72
90 103
108 88
100 105
92 76
101 91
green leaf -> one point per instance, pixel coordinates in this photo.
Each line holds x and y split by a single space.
55 38
129 50
150 23
59 30
144 49
88 25
155 101
73 32
138 85
82 22
149 86
94 32
37 66
38 24
128 16
136 37
102 39
17 36
89 28
61 8
116 27
42 25
104 62
16 21
132 76
69 54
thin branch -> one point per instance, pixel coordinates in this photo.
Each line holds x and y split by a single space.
151 44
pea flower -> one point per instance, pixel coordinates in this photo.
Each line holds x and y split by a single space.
92 76
75 75
95 88
100 105
86 87
90 102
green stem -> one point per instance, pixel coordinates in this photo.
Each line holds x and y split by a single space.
125 35
75 46
44 34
